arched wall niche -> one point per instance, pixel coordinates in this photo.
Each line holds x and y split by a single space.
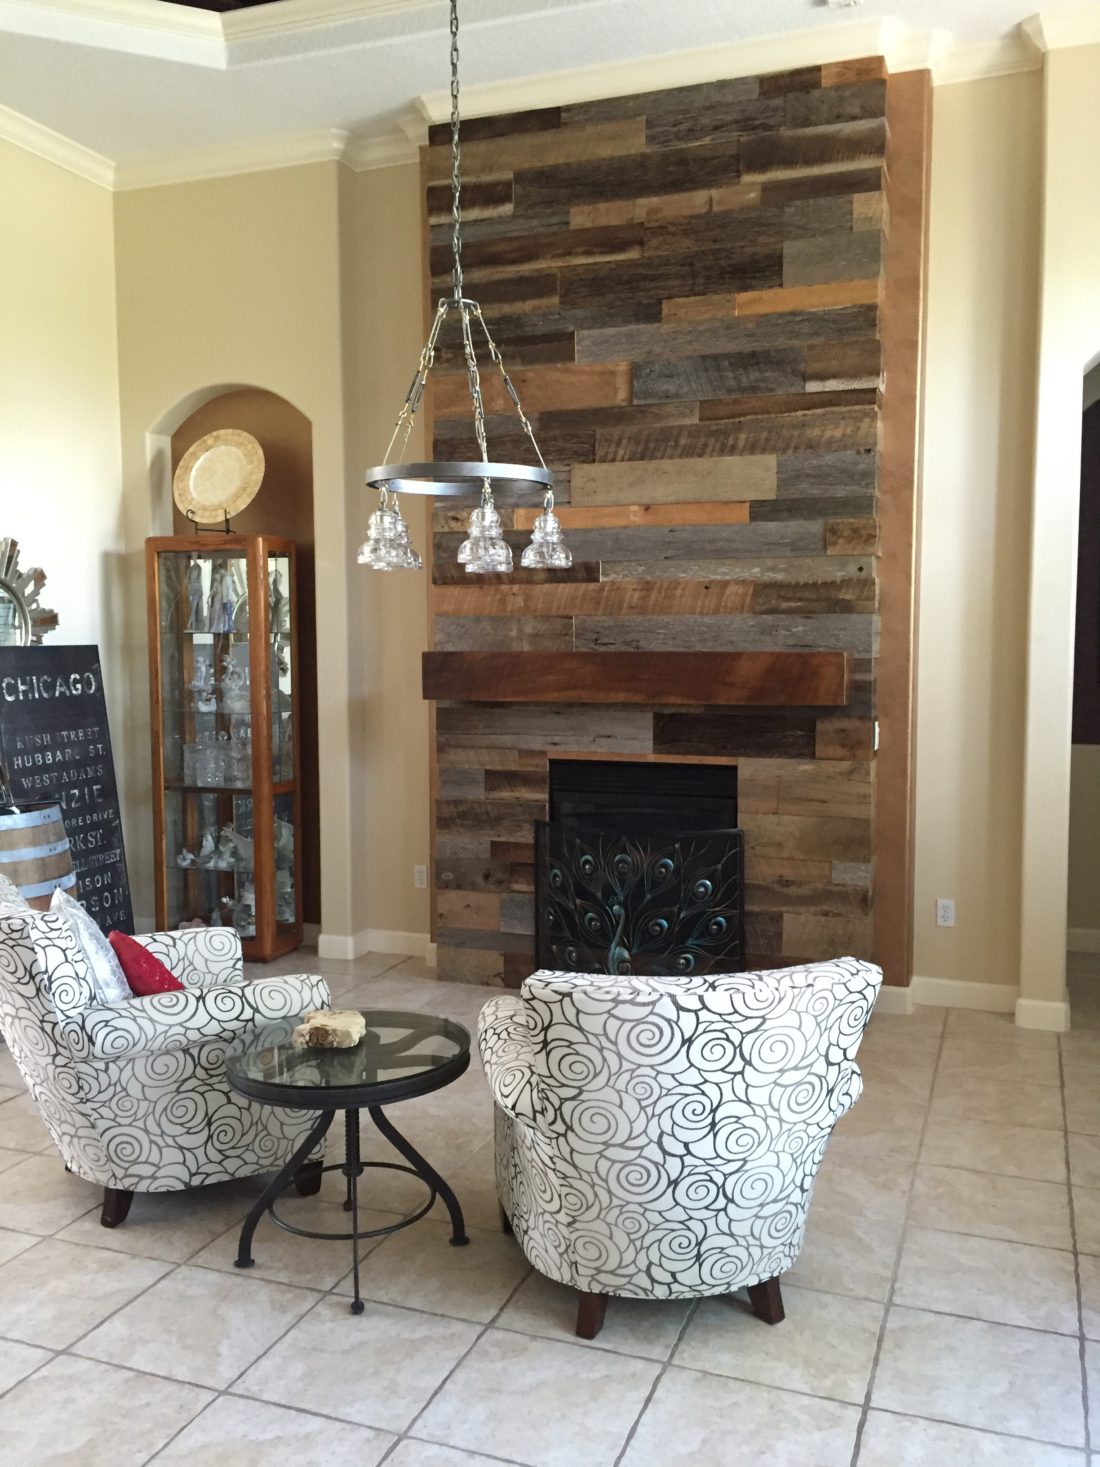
283 506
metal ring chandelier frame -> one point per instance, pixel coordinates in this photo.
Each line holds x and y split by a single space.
387 545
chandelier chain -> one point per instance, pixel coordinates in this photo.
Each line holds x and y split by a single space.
509 386
456 164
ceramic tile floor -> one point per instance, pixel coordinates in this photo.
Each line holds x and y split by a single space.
945 1310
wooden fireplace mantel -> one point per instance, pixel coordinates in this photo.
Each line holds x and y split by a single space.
757 679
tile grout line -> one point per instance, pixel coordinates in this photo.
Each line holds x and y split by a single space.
461 1359
665 1366
865 1409
1081 1347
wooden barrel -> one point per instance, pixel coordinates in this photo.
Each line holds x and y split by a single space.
35 855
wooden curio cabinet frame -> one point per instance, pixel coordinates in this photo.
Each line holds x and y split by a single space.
225 738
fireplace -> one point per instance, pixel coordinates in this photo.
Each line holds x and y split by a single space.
639 869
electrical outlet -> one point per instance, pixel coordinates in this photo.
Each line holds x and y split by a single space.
945 912
420 877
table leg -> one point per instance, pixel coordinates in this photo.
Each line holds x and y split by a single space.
353 1170
428 1172
276 1186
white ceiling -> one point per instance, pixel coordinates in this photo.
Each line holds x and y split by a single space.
141 81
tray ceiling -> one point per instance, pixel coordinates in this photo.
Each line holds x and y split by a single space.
263 75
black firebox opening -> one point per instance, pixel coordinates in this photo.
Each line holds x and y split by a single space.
641 797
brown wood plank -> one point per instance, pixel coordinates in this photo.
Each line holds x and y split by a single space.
770 679
843 364
722 408
492 157
909 109
845 73
675 480
468 908
611 598
826 297
844 738
503 633
813 149
852 537
842 101
539 388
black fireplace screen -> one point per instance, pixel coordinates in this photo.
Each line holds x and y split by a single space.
621 902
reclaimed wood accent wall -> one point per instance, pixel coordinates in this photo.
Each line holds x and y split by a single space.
687 288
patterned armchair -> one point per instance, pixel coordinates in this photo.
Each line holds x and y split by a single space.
659 1138
134 1095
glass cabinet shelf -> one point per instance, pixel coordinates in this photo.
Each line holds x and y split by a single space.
223 655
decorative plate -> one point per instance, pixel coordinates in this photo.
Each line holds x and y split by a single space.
218 475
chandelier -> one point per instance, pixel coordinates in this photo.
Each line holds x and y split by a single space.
485 550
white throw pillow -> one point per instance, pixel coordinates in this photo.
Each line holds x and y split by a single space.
105 969
10 895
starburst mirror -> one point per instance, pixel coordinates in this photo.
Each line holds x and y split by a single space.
23 622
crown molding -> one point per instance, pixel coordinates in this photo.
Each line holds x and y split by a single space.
36 138
903 49
1055 30
389 150
327 145
133 27
674 69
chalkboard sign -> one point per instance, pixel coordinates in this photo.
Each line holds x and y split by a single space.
56 745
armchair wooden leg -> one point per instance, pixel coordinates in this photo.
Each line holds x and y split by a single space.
308 1178
116 1206
767 1301
505 1223
591 1309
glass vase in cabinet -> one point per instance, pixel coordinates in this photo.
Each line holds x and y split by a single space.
223 665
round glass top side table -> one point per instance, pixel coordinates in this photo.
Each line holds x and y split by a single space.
402 1055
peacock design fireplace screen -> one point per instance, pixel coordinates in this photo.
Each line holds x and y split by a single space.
621 886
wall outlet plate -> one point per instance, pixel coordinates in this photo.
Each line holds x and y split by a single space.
945 912
420 878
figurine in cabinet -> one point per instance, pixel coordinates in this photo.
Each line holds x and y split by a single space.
222 600
195 597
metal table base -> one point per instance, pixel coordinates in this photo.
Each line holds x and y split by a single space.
353 1168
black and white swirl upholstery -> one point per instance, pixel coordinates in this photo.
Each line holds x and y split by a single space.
659 1137
134 1095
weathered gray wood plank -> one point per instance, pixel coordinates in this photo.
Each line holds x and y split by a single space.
808 475
780 633
546 726
503 633
675 542
821 431
808 568
836 104
731 374
856 255
731 735
667 341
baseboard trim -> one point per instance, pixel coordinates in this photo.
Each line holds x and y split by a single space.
1083 939
408 944
1034 1013
994 998
373 940
894 1000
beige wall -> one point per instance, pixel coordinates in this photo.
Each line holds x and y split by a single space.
303 281
384 334
237 281
59 439
977 467
1069 341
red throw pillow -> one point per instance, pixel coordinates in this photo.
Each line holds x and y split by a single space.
144 973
